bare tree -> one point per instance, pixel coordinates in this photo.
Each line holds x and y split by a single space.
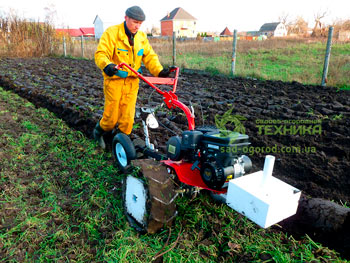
155 31
341 25
317 31
50 14
299 26
285 19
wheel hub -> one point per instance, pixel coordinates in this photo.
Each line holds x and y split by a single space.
121 154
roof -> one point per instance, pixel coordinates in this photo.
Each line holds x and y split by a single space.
71 32
107 19
96 18
178 14
269 26
83 31
226 32
88 31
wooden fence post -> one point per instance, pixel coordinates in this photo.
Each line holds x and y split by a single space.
174 48
64 47
233 65
51 45
82 46
326 59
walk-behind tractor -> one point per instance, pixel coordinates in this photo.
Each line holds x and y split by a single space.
199 158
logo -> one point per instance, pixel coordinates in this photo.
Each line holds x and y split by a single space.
289 127
227 119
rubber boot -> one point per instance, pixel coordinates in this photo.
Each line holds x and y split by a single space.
98 135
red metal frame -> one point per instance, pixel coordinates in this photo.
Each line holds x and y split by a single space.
169 97
182 169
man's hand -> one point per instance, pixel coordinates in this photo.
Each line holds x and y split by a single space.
164 73
110 69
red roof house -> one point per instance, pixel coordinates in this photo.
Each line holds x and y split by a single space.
83 31
88 31
226 32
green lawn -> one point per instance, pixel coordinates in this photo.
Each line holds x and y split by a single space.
302 62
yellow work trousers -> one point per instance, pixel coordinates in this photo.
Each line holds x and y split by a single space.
120 102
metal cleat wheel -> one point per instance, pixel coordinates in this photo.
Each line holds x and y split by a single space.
148 197
135 198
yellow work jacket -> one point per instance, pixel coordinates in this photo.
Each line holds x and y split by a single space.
114 48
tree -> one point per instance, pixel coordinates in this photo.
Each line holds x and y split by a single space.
299 26
155 31
319 28
284 18
339 26
50 14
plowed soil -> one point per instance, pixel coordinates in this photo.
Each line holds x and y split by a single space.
312 155
307 128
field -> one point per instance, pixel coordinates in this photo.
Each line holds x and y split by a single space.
60 195
290 59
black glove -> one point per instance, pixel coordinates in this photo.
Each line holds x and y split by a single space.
110 69
164 73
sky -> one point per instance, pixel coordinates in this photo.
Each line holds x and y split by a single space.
212 16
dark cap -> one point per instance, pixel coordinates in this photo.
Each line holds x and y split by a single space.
135 12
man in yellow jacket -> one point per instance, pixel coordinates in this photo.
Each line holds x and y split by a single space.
123 43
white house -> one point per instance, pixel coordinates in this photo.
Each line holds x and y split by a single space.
101 24
276 29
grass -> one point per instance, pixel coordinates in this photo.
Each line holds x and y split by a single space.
286 59
60 200
299 60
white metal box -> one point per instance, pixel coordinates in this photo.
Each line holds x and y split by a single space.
263 198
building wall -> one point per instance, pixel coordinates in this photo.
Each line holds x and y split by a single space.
280 31
185 28
166 28
98 28
266 33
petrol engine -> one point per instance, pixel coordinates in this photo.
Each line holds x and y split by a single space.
217 154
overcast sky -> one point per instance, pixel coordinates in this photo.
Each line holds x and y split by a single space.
243 15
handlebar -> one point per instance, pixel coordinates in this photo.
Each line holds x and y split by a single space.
169 97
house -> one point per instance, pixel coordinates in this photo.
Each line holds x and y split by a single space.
101 24
69 32
226 32
180 22
83 31
88 31
276 29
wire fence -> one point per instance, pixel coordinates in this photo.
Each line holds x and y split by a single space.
285 59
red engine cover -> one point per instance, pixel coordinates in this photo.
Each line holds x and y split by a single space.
190 177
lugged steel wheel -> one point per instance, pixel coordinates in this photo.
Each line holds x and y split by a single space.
148 197
136 202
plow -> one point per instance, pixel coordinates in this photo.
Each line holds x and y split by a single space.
201 158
